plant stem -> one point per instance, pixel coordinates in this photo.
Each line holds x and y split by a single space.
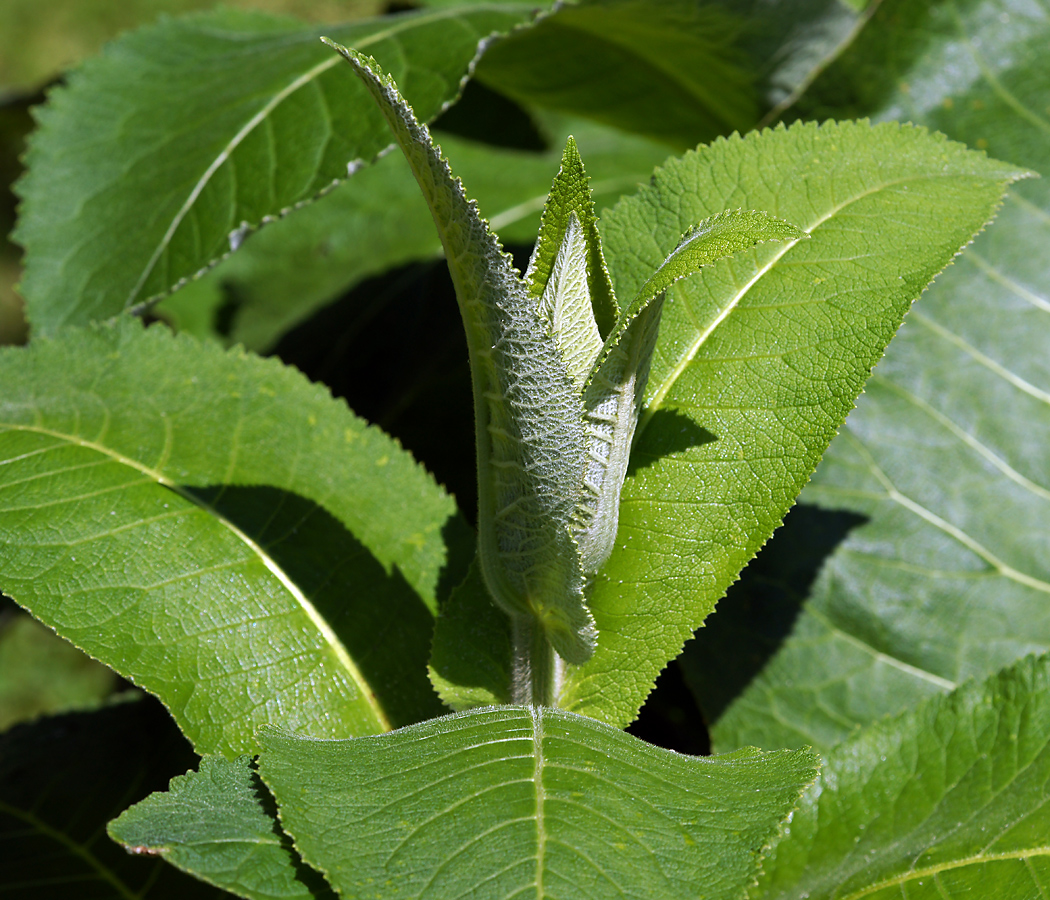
535 664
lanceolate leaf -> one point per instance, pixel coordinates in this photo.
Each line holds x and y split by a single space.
183 137
220 824
946 458
949 800
570 195
221 532
759 358
530 803
527 412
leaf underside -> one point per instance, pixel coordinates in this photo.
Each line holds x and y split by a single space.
527 802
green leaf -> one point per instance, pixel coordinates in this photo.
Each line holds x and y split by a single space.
528 415
948 800
759 359
166 151
220 825
570 198
61 779
40 674
471 655
527 802
221 532
675 70
378 220
946 457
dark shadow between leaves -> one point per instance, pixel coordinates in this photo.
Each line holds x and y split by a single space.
759 611
383 623
667 431
62 778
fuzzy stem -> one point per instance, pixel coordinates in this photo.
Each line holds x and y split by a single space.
535 664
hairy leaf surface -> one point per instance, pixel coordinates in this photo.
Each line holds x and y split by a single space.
220 824
166 151
759 358
528 802
945 461
528 415
948 800
221 532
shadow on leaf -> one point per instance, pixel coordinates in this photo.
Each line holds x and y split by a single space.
667 431
383 623
759 611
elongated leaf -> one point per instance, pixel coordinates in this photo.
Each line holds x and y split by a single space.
949 800
183 137
528 415
220 824
570 197
759 359
527 802
61 778
221 532
675 70
378 220
946 456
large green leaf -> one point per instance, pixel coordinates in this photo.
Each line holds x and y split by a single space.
220 824
949 800
61 779
41 674
166 151
221 532
946 457
378 220
675 70
759 359
527 802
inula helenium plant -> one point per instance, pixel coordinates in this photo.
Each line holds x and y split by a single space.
360 689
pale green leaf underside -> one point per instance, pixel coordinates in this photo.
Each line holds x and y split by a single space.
220 824
527 802
528 415
951 799
226 120
219 531
947 454
759 358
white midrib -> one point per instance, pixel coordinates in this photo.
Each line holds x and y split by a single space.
249 126
329 637
975 547
537 780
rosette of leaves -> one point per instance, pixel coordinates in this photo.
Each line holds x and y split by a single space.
559 371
